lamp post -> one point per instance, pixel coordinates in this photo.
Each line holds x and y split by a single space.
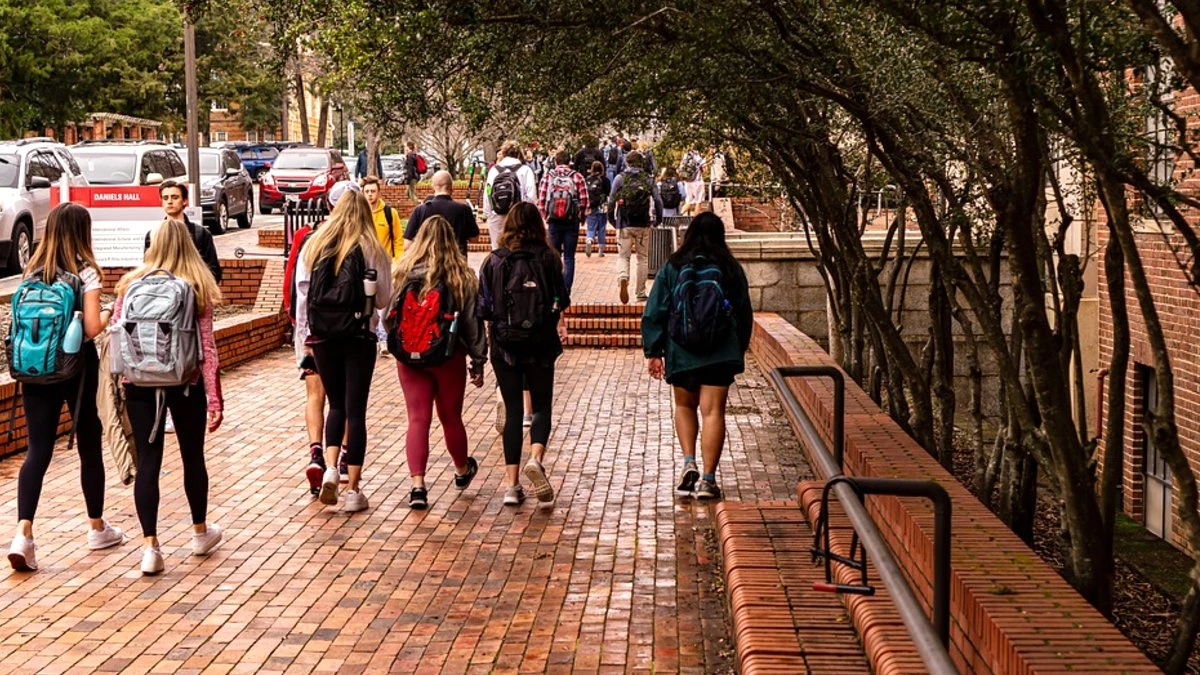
193 103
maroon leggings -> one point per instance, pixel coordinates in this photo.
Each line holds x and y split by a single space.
443 386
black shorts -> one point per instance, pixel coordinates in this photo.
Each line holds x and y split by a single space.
720 375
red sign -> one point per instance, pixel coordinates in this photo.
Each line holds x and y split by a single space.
99 197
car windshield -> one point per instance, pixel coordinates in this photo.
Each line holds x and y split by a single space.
114 169
312 161
10 166
210 165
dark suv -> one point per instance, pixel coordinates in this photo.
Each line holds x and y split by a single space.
226 190
301 173
256 158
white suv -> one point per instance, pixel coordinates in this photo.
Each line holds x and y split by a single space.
28 168
128 163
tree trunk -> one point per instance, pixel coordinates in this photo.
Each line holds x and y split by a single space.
323 124
302 104
373 140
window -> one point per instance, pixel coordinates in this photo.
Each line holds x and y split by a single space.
220 106
147 167
1159 129
65 159
252 136
268 137
220 136
1156 474
45 165
176 165
232 161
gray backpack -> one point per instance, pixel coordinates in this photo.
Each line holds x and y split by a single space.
157 341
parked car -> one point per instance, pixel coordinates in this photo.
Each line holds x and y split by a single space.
28 168
256 158
226 189
303 174
393 169
129 163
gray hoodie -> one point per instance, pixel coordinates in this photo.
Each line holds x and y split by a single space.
471 335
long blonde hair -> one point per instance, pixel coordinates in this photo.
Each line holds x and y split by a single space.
67 244
172 249
350 225
437 249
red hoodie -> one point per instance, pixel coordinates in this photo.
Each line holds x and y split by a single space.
289 272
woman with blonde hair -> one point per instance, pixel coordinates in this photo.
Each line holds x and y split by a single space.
196 407
434 329
65 252
342 277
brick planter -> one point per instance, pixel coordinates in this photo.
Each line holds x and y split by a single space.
271 238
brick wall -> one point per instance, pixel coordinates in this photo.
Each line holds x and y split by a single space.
239 283
1010 611
751 214
397 195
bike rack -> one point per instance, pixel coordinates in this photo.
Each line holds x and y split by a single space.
930 639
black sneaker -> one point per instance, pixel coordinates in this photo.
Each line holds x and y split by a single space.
316 469
343 469
417 499
462 481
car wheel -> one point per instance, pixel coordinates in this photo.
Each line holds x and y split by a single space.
21 250
245 220
222 221
264 209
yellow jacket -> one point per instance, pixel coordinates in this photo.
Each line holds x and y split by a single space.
393 243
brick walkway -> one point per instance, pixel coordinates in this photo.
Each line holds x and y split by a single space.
618 576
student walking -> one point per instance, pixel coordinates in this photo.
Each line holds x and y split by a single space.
563 200
341 280
523 296
691 172
432 329
633 206
671 191
63 281
598 189
173 292
695 331
508 183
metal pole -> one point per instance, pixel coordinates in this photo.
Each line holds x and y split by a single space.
193 105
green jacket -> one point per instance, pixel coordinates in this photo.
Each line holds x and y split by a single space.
657 342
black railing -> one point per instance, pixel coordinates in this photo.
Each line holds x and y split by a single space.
298 214
931 640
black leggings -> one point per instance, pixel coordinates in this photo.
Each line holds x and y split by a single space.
513 382
189 411
43 408
346 368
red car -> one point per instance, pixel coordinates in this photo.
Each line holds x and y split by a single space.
301 173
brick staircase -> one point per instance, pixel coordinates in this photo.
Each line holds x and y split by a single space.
483 244
604 325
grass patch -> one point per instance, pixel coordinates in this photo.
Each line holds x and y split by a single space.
1161 563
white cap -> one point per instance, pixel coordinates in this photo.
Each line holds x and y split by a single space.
339 188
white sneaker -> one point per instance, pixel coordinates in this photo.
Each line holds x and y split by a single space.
170 426
329 486
355 501
23 554
514 495
536 474
203 543
107 538
500 416
587 247
152 561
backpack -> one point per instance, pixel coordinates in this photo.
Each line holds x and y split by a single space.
421 331
700 315
689 168
612 156
337 300
156 343
671 196
595 189
562 197
41 313
635 199
523 317
387 216
422 167
506 189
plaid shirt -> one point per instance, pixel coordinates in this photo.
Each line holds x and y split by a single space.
580 185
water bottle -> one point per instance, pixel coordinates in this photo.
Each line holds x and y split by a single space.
369 278
73 340
453 341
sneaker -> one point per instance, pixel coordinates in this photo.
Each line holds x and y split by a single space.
170 426
329 487
203 543
500 416
624 290
316 468
107 538
514 495
343 469
462 480
601 252
527 421
587 247
355 501
23 554
687 482
707 490
418 498
536 473
152 561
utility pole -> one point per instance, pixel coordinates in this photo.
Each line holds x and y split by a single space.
193 103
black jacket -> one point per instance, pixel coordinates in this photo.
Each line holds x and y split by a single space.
203 240
549 347
461 218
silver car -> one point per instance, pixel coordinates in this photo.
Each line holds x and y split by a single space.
28 169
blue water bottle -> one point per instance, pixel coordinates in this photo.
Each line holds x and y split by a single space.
73 340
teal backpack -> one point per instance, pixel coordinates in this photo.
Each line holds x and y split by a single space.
41 313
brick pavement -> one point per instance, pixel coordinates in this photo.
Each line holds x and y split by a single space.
617 576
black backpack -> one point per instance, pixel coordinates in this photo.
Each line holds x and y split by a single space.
506 189
523 316
700 315
595 188
671 196
422 331
612 157
337 300
636 194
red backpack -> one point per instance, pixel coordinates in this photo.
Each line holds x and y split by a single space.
422 167
422 331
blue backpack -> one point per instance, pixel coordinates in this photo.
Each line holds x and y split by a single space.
41 313
700 317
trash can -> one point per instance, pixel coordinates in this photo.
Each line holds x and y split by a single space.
661 246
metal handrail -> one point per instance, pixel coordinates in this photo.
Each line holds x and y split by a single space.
928 643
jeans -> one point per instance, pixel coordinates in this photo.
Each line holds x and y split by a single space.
188 406
564 236
639 238
443 386
346 367
512 380
412 191
597 227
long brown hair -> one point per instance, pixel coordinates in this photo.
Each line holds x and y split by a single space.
524 227
172 249
67 244
437 250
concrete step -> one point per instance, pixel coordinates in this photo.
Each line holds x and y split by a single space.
604 340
